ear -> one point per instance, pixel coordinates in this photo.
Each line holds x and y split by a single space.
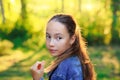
72 40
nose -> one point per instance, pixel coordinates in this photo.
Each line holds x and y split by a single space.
52 42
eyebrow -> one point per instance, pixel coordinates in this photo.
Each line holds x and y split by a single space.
55 33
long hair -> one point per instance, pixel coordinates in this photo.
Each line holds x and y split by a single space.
78 48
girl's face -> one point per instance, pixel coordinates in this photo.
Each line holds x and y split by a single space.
57 38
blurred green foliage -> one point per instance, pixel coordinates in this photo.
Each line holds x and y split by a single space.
23 24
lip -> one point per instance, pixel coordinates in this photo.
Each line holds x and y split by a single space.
52 50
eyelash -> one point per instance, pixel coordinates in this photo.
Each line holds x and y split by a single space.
48 36
57 38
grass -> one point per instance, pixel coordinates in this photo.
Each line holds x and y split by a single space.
106 61
17 65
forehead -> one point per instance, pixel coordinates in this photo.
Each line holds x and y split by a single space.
54 27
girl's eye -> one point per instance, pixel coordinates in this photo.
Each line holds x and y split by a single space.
48 37
59 38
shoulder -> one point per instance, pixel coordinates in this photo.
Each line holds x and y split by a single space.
68 63
73 68
68 69
74 60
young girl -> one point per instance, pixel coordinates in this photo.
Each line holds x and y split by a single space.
65 43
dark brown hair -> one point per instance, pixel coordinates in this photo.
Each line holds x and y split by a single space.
78 47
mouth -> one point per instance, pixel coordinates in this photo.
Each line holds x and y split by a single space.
52 50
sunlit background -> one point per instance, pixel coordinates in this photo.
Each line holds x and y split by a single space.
22 34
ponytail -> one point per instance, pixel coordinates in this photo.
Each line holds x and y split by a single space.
87 66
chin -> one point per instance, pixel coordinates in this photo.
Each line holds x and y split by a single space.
54 55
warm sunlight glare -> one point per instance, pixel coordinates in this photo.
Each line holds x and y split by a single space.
12 1
89 7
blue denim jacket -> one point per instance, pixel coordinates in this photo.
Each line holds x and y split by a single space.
68 69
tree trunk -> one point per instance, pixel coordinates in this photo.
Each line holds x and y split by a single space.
2 11
23 9
115 35
79 5
62 3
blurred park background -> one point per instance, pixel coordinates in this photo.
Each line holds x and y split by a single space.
22 34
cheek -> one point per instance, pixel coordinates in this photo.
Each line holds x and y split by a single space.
63 47
64 44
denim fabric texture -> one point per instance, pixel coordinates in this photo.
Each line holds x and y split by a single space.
68 69
42 78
